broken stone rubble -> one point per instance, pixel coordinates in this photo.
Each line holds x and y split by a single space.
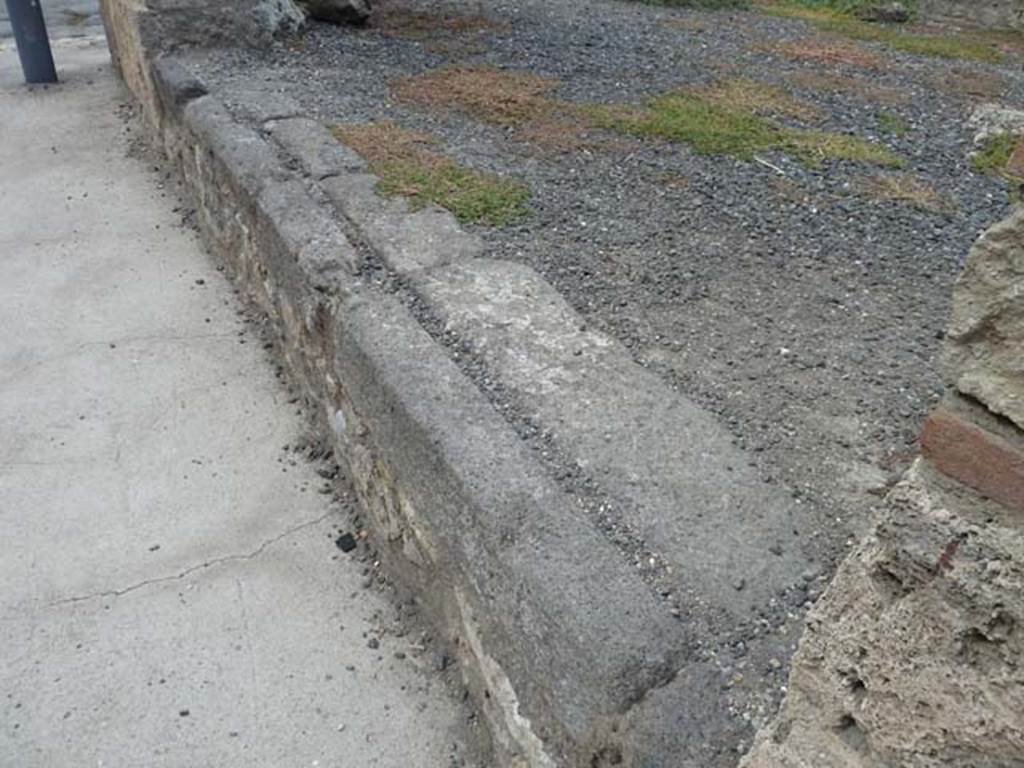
280 18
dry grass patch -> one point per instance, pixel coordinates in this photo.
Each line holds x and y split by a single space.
1007 41
731 117
519 100
1002 156
408 164
907 189
859 87
829 53
759 98
971 86
419 25
492 95
688 24
788 190
564 132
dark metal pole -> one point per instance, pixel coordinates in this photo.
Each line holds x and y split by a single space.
33 44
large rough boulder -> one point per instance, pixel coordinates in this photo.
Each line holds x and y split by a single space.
886 13
986 13
338 11
913 656
166 25
985 352
278 17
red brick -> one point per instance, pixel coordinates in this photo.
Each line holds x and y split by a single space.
987 462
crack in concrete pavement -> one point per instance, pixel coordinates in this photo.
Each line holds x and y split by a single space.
193 568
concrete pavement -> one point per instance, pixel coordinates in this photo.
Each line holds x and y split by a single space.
64 18
172 594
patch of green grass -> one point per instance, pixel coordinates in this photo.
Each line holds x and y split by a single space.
711 128
906 189
407 165
815 147
838 17
469 194
893 124
994 156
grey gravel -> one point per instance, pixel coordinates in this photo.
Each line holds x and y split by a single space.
804 314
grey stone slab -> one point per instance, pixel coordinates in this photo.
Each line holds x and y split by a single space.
259 103
671 469
309 232
316 149
406 240
574 634
175 85
250 160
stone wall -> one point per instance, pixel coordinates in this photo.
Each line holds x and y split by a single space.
915 655
988 13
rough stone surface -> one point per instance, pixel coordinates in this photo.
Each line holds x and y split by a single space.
405 240
558 601
912 657
666 484
309 142
985 351
671 470
886 13
989 13
166 25
278 17
801 311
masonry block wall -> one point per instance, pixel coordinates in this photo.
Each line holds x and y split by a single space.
915 655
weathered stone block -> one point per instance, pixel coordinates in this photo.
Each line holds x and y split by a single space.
912 657
403 239
988 13
984 357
